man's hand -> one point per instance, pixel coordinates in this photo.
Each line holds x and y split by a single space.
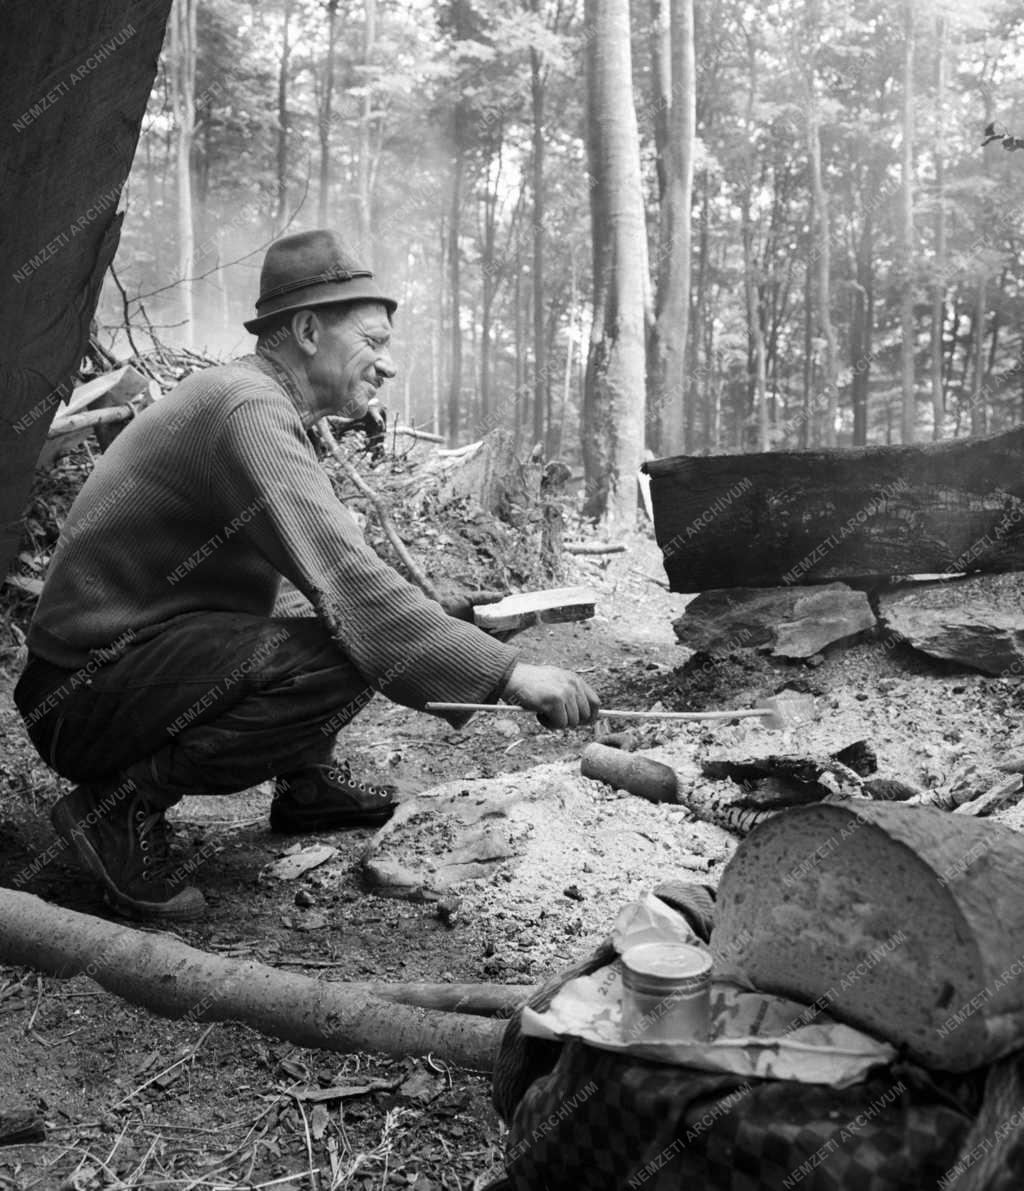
560 698
460 604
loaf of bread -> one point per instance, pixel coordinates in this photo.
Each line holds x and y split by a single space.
906 922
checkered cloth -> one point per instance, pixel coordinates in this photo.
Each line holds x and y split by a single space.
594 1120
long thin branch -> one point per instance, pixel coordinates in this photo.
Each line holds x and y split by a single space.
415 573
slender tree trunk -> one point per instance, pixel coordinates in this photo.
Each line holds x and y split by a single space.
182 52
520 349
698 335
909 405
807 409
365 127
862 330
672 311
755 333
540 370
614 399
824 249
326 116
455 284
660 40
282 115
979 406
939 288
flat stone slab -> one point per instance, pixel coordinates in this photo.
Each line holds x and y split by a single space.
792 622
445 837
978 621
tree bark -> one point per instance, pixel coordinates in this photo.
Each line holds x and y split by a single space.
755 331
672 310
54 253
788 517
909 409
182 62
455 286
614 399
862 328
824 252
939 287
169 978
282 116
540 370
365 151
327 116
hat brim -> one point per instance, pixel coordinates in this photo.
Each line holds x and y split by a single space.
359 289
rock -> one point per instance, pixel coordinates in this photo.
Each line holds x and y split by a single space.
296 862
978 622
438 840
794 622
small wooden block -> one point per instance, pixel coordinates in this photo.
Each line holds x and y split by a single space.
116 387
536 607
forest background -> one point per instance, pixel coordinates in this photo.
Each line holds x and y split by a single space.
782 215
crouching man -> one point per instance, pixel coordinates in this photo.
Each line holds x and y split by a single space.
157 666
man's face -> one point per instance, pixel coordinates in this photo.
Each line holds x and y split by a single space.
352 358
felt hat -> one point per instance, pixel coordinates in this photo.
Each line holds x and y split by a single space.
311 269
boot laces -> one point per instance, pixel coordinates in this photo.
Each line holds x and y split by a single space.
153 834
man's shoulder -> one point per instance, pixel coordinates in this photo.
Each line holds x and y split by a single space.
216 392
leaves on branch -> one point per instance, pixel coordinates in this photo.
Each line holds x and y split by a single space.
1010 142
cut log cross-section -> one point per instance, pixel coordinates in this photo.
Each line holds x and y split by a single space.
783 517
906 922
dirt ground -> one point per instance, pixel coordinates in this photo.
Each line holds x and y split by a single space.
131 1100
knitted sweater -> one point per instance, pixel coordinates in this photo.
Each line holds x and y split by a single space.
201 504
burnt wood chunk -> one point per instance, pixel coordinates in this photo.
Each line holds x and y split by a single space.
788 517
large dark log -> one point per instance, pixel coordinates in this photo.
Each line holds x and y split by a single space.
76 79
791 517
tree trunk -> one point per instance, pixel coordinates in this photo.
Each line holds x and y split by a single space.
824 251
166 976
540 371
182 54
455 284
939 289
751 287
853 513
862 329
365 151
282 116
672 311
54 253
979 404
613 408
327 117
909 409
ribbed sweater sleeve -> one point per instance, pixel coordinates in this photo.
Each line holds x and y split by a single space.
263 468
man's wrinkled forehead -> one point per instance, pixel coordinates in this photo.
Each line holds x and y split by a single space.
366 316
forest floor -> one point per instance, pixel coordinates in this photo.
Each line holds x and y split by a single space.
131 1100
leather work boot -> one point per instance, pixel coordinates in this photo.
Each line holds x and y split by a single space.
122 840
325 798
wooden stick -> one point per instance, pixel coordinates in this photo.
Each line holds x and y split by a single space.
594 548
415 574
412 432
743 713
165 976
93 417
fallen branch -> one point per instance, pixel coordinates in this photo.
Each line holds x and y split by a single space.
412 432
595 548
415 573
92 417
169 978
480 1000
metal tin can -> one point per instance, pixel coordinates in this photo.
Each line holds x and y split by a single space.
666 991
